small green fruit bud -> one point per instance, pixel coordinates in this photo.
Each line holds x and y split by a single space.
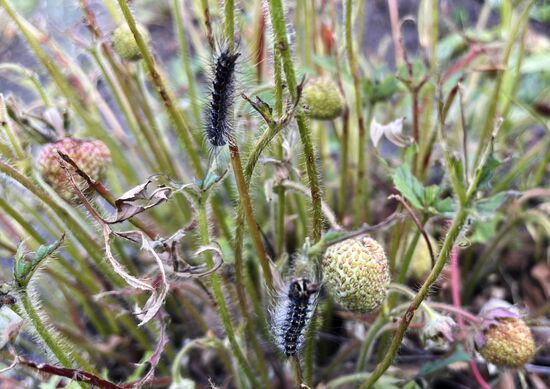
124 42
356 274
509 343
379 91
324 99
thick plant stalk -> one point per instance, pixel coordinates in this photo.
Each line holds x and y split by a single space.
448 244
276 12
249 213
419 298
242 186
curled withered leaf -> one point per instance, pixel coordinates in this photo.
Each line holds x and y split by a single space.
201 270
137 194
118 267
153 305
393 131
139 199
155 301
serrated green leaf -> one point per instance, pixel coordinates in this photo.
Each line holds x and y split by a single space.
458 356
431 194
21 263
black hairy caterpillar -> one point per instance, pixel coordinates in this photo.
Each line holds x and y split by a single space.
293 315
218 124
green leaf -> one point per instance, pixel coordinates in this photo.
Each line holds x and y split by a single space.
431 194
445 207
21 263
458 356
408 185
488 206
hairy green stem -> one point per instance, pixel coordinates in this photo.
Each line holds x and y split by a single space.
242 186
281 197
218 295
49 337
419 298
276 12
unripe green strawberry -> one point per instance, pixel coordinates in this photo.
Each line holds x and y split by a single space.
323 98
124 42
509 343
92 156
356 274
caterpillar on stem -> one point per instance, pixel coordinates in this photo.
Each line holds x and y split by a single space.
218 116
293 313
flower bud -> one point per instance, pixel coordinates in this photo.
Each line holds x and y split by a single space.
124 42
356 274
323 98
379 91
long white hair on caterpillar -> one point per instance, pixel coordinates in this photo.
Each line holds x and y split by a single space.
294 308
292 315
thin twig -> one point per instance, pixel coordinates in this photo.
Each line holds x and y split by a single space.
418 224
